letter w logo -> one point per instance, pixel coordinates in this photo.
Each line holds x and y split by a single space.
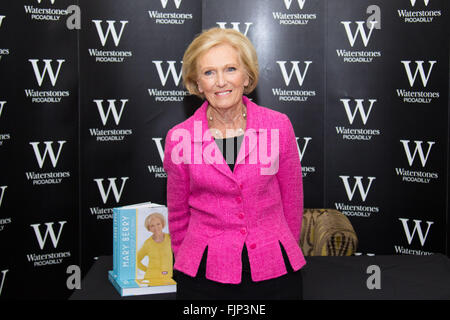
112 186
171 70
111 108
287 3
287 77
111 29
413 2
235 25
177 3
52 1
2 104
359 30
418 149
301 152
358 184
2 193
359 107
419 69
160 148
47 69
3 280
48 150
417 226
48 232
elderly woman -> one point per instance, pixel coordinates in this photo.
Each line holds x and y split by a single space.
159 270
234 186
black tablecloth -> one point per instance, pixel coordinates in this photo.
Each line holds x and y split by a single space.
325 278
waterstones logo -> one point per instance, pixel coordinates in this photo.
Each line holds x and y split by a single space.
363 31
111 187
288 76
165 72
107 213
46 69
175 18
301 152
114 108
157 169
293 16
421 152
3 51
418 13
357 210
420 230
236 26
3 136
363 108
39 259
45 14
49 231
110 34
42 178
419 75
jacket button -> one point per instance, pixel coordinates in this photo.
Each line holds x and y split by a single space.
253 246
238 199
243 231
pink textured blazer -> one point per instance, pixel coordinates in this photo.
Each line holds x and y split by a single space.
259 204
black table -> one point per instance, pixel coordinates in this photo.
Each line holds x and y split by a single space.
402 277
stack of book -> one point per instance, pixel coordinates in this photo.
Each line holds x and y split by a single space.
142 253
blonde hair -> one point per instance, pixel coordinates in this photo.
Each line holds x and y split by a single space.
214 37
154 215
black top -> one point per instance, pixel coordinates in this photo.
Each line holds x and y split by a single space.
230 149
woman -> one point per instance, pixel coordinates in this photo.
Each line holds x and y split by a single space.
235 223
159 270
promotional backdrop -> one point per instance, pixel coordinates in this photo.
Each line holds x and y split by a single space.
89 90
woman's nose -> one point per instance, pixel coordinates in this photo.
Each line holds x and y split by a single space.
220 79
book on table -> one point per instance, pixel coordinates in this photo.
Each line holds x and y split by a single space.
142 253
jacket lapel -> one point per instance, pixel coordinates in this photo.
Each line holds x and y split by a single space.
251 134
206 149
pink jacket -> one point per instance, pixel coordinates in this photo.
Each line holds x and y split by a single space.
259 204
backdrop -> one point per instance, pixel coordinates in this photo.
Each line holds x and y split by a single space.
89 89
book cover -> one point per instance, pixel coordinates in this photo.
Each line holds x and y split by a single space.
142 253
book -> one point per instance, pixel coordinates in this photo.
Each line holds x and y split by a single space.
142 253
132 288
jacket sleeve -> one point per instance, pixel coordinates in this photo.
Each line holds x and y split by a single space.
177 195
290 179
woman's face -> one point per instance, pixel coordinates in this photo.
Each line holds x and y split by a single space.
222 77
155 225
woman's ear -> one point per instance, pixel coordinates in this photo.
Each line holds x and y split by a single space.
199 87
247 80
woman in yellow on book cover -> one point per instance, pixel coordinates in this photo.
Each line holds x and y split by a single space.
157 248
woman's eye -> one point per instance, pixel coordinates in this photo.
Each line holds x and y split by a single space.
208 73
230 69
